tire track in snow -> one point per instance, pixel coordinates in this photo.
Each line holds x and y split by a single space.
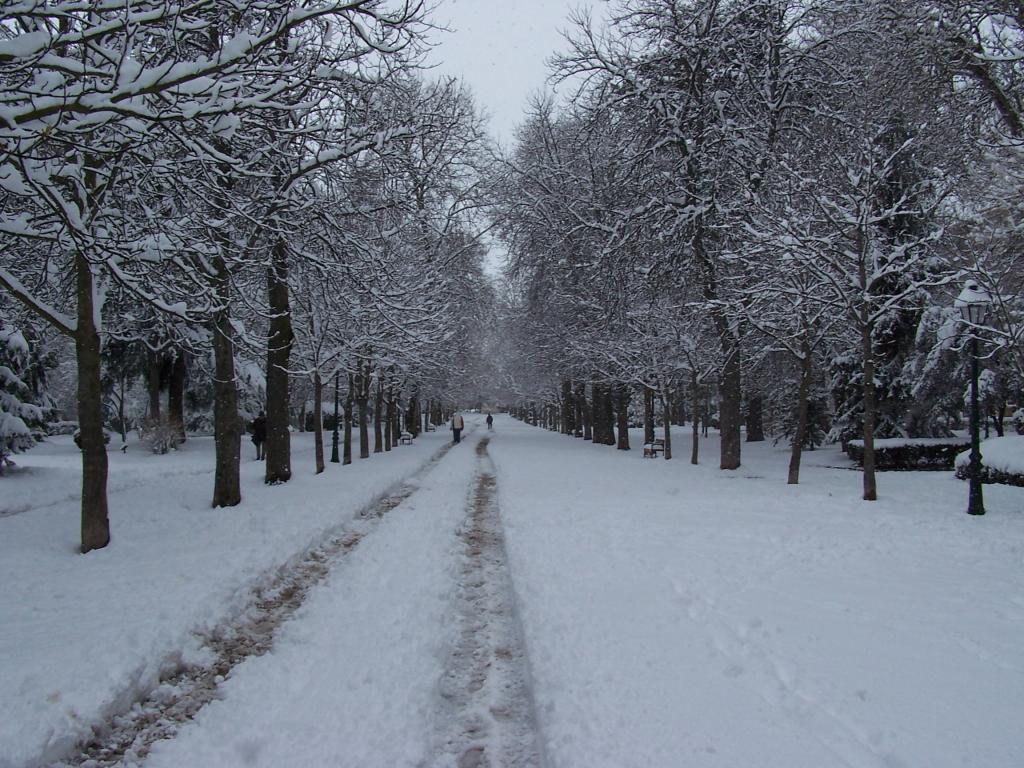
127 736
486 693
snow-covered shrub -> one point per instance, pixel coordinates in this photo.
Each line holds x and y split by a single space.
23 409
1002 461
1017 420
161 436
199 423
906 454
61 428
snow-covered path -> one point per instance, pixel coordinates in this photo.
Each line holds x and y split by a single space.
487 685
408 653
353 678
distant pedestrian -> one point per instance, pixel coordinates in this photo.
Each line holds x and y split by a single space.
490 422
259 434
457 426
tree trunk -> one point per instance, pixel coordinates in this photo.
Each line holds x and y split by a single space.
335 452
648 415
154 371
622 412
755 419
318 422
176 394
279 346
413 422
569 419
347 442
227 426
378 436
870 488
609 415
390 438
362 403
730 407
695 399
666 418
95 520
996 414
801 417
596 413
121 386
396 424
364 427
730 389
604 417
579 406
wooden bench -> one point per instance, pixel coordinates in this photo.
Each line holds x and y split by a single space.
651 450
405 438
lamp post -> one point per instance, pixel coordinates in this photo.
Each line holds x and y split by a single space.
334 433
973 303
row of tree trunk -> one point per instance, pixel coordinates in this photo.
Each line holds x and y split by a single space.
167 370
604 417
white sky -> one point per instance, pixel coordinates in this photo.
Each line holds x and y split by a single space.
499 48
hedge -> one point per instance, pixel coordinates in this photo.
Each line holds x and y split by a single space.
902 454
991 475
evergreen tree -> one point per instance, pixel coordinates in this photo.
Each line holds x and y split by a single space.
24 404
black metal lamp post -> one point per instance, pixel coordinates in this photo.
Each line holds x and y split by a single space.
973 303
334 433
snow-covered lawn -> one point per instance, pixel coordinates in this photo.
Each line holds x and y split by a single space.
673 615
80 631
680 615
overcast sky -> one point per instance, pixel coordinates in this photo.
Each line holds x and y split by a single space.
499 47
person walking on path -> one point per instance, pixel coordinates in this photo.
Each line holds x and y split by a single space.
490 422
457 426
259 434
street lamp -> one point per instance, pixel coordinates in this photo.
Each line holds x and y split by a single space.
973 303
334 435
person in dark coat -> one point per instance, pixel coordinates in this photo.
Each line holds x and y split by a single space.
490 421
259 434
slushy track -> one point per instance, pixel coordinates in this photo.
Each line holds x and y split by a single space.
127 737
486 685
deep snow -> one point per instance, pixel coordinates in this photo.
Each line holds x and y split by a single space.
672 615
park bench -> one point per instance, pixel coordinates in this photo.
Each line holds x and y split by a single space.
405 438
651 450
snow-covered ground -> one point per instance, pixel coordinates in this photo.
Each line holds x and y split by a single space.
680 615
671 614
84 635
